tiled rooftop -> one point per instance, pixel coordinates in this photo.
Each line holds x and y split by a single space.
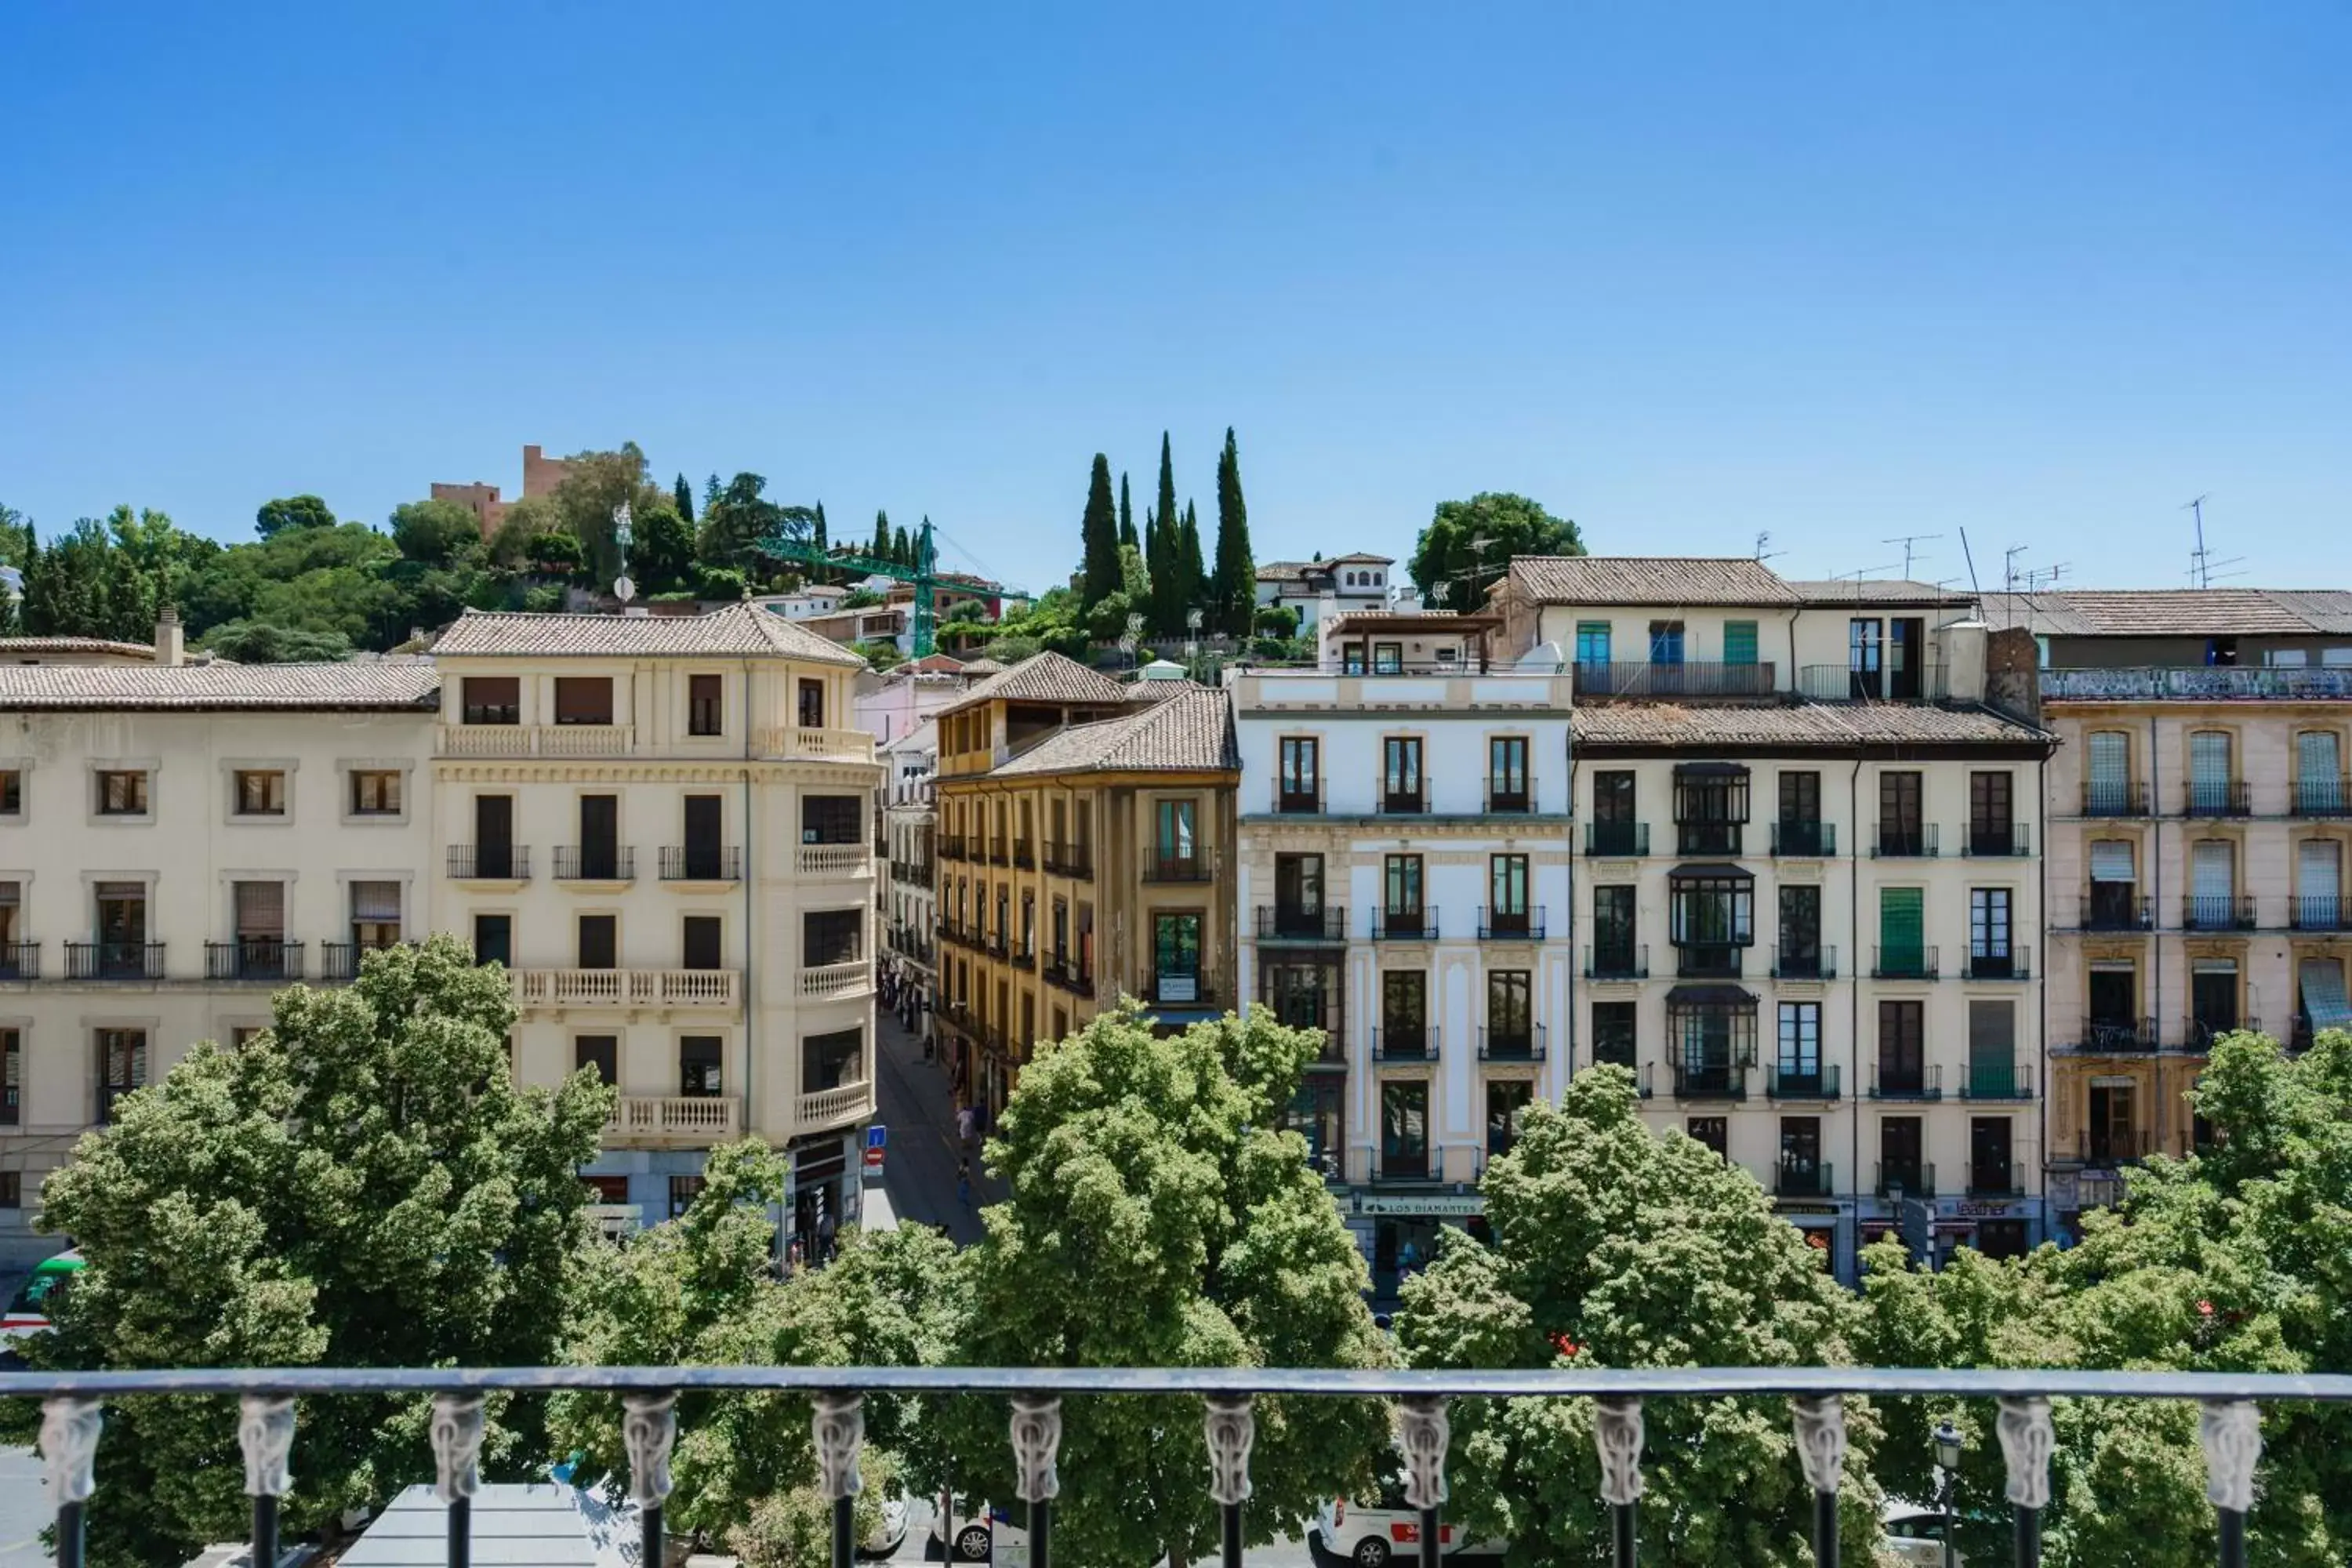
738 631
1044 677
1668 580
389 684
2175 612
1191 730
1794 724
1880 592
11 647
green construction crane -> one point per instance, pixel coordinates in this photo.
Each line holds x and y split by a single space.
796 541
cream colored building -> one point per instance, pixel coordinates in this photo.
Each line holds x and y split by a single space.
2200 820
1807 891
648 819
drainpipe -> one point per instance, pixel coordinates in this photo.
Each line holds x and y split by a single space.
2155 875
2041 827
750 951
1853 992
1571 1031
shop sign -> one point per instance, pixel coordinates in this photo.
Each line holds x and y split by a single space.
1181 989
1411 1204
1982 1211
1829 1209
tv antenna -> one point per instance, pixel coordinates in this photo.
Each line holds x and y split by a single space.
2203 569
1906 541
1468 576
2009 574
1858 575
2047 578
1762 553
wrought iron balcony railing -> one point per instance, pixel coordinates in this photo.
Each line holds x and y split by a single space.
595 863
1526 1044
2218 912
1299 798
1844 683
1598 681
2217 797
2198 1034
2121 910
1408 1044
1070 860
1402 925
1998 838
2320 911
2117 1037
2106 1147
2002 1078
114 961
1608 840
489 863
1815 961
1617 961
1904 963
1910 1179
1176 868
1276 923
1805 839
1709 960
724 863
1901 1080
1801 1081
2017 963
2321 797
1709 1080
1802 1181
1905 840
2121 798
253 958
20 961
1511 925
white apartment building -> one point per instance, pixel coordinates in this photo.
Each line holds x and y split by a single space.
910 839
647 819
1807 886
1403 884
1343 585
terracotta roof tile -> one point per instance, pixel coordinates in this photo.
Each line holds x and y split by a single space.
1190 732
1282 571
1700 726
1044 677
1665 580
1882 592
383 684
738 631
2175 612
12 646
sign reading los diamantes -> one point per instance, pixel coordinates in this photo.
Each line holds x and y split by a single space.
1423 1205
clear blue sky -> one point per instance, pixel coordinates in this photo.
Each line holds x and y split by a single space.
1685 273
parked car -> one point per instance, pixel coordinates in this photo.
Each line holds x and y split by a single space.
28 1314
1914 1535
892 1533
1372 1532
988 1530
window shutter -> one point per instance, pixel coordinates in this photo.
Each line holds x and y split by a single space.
2112 860
1992 1031
2110 760
2317 869
375 900
261 909
2211 869
1902 920
2314 756
2323 994
1740 642
2209 760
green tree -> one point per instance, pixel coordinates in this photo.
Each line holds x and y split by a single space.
362 1184
739 516
1447 553
682 497
1159 566
1616 1248
437 532
1235 588
554 554
1099 535
880 548
2231 1259
662 559
293 511
1127 535
1171 600
597 485
1191 577
1159 1216
262 642
902 548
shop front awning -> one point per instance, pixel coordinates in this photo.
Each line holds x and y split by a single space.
1711 870
1720 996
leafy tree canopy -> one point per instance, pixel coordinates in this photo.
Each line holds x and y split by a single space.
1511 525
437 532
361 1184
293 511
263 642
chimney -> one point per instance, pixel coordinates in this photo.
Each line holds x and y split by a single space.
171 642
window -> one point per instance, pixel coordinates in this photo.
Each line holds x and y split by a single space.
2213 1000
1900 1169
1901 825
121 929
2208 772
600 1052
1865 658
1801 1047
683 1191
831 819
1298 895
259 791
1902 932
122 1067
1316 1114
2319 885
608 1190
1665 642
2114 881
12 1077
698 1057
2113 995
1710 805
1994 1072
2212 885
832 1060
1712 1037
1614 830
832 936
1612 929
2320 1001
1716 910
704 713
1902 1047
1405 1130
2319 784
699 939
1613 1033
1507 772
491 700
1992 827
584 699
599 942
1352 659
1174 844
1715 1131
12 791
1740 642
1400 887
1506 886
1592 642
376 914
1990 955
1400 773
1507 1106
2108 780
1800 957
1800 1153
494 939
1990 1170
1801 798
121 791
1176 958
1510 1012
376 792
1302 780
1404 1013
812 704
1387 658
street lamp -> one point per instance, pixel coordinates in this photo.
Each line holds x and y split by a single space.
1948 1444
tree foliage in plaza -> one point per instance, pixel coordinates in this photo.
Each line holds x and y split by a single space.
1447 553
362 1184
1098 537
1159 1216
699 1291
1234 590
1613 1246
2232 1259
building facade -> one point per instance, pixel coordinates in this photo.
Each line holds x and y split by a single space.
1343 585
647 820
2200 820
910 839
1086 836
1403 885
540 475
1807 886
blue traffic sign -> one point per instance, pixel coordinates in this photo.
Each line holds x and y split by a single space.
878 1136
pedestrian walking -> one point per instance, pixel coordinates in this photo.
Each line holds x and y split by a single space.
963 1125
963 1181
824 1237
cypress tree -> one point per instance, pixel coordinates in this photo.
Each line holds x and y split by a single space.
685 494
1166 509
1157 562
1098 537
1236 579
901 550
1189 571
881 547
1127 516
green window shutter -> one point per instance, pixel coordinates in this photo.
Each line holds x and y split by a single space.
1902 922
1740 642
